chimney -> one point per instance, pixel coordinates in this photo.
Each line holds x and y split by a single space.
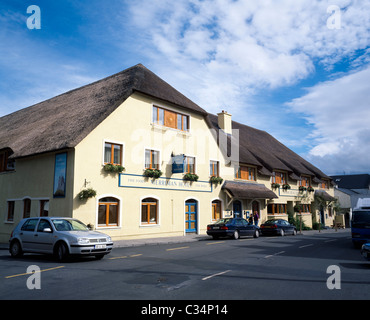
224 121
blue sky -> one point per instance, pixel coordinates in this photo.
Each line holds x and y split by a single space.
293 68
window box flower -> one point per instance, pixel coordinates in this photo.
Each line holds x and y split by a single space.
113 167
216 180
286 186
302 188
191 177
152 173
275 185
310 189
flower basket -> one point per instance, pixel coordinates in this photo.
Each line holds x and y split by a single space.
310 189
113 168
86 193
216 180
152 173
286 186
191 177
275 185
302 188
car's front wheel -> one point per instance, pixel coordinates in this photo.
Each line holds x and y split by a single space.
236 235
61 252
256 234
15 249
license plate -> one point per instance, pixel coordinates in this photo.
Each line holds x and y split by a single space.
216 228
100 246
267 226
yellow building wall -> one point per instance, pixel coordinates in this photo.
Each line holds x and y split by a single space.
131 125
33 178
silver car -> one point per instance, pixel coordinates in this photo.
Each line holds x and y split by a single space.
59 236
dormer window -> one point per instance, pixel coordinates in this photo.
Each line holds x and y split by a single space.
170 119
279 177
6 164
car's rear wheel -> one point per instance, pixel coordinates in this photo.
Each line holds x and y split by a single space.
236 235
15 249
61 252
256 234
294 232
282 233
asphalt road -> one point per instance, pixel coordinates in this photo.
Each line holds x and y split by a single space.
290 267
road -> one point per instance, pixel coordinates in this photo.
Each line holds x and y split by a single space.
290 267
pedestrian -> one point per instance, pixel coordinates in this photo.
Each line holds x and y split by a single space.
255 218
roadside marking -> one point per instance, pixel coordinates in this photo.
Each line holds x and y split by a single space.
272 255
24 274
216 274
209 243
114 258
179 248
307 245
125 257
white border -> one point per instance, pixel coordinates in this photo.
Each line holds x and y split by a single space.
114 142
110 195
150 225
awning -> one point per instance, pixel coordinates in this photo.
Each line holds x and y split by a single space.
323 194
243 190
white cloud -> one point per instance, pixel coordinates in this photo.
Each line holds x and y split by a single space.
339 110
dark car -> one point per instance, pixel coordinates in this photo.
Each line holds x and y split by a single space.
365 251
278 227
232 227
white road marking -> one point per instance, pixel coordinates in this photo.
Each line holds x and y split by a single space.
216 274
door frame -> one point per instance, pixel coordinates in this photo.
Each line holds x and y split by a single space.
186 203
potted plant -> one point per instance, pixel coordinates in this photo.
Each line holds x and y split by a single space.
191 177
152 173
275 185
113 167
86 193
302 188
215 180
310 189
286 186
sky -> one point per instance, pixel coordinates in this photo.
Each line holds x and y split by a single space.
298 69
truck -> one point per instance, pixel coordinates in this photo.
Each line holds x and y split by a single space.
360 222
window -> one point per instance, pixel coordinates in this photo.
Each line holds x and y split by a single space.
112 153
108 212
279 177
26 208
216 209
324 184
276 208
44 208
170 119
189 164
149 211
5 163
151 159
214 168
42 225
306 208
10 216
245 173
305 181
30 225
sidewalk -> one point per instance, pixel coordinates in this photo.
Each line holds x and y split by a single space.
182 239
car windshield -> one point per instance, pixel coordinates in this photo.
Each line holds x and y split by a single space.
361 217
224 221
69 225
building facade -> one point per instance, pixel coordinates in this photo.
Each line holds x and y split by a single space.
131 156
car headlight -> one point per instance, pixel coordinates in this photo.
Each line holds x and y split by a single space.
83 240
109 239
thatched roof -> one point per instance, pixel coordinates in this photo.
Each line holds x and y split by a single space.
242 190
65 120
258 148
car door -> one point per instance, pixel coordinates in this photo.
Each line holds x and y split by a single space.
249 228
238 223
286 226
27 234
44 237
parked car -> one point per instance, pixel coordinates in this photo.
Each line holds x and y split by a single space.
365 250
232 227
278 227
59 236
